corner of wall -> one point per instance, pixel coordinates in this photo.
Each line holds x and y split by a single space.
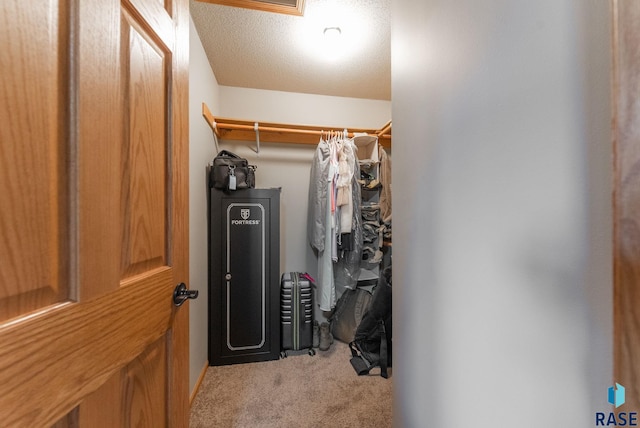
203 87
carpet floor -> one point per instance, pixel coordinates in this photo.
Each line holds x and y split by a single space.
297 391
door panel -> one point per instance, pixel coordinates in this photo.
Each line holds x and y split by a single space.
94 160
139 383
156 16
245 293
73 349
145 380
144 190
97 140
34 197
98 406
626 204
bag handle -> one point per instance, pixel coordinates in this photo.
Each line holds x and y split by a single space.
226 153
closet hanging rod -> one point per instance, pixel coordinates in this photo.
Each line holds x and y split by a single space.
245 130
386 129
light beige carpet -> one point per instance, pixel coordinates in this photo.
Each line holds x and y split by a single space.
297 391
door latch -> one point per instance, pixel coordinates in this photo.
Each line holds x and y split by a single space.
181 294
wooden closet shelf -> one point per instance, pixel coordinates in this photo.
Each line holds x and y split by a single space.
235 129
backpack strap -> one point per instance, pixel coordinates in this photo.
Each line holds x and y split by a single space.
359 364
383 350
354 351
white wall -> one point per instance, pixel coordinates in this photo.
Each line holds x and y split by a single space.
202 87
303 109
502 222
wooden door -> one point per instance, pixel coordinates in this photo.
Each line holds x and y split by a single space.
93 213
626 203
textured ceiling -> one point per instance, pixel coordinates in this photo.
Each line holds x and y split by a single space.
264 50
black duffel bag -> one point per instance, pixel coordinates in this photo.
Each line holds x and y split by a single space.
231 172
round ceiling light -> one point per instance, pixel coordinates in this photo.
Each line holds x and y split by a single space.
332 33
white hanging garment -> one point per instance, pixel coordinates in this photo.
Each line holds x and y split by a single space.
345 193
326 286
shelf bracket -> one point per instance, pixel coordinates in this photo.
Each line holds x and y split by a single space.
257 129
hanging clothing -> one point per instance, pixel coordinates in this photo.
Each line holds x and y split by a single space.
385 181
346 166
331 215
318 190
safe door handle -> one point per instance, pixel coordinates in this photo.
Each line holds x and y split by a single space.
181 294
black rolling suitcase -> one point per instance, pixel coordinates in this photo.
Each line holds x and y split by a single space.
296 313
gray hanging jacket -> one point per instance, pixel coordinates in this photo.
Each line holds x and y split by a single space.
347 269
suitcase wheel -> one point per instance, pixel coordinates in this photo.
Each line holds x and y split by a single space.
283 354
312 352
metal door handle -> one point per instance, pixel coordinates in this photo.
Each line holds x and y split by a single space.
181 294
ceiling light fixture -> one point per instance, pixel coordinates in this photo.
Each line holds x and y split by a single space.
332 33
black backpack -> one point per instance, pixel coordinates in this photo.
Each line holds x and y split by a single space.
371 346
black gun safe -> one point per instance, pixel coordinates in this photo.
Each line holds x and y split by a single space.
244 276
